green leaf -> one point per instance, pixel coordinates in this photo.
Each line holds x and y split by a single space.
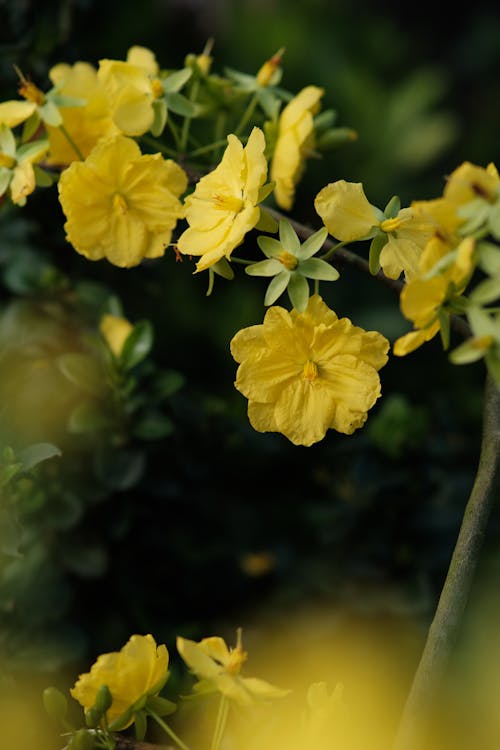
312 244
82 370
182 106
119 469
315 268
269 267
154 426
137 345
36 453
288 238
166 383
175 81
87 417
277 287
298 291
335 138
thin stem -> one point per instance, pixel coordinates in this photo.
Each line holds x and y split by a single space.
187 120
220 723
156 144
445 626
210 147
71 142
247 114
168 730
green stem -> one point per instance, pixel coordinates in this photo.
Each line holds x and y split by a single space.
168 730
187 120
150 141
247 114
445 626
71 142
220 723
210 147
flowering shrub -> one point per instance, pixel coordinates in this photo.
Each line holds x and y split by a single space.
150 161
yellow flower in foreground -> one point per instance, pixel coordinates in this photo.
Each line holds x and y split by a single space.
295 141
115 331
423 298
218 668
223 206
304 373
139 669
87 123
119 204
17 173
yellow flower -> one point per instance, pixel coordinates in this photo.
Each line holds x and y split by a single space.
304 373
348 216
131 88
16 165
115 331
119 204
86 124
219 667
294 143
423 298
469 181
223 206
139 669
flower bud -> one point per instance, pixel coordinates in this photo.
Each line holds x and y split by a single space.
82 740
55 703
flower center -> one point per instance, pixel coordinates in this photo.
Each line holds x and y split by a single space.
119 204
310 371
156 88
390 225
231 203
6 160
32 93
288 260
237 658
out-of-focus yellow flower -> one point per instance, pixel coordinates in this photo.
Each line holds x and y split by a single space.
294 143
468 181
305 373
16 165
139 669
131 87
14 112
85 124
422 298
326 721
223 206
270 72
219 667
115 331
120 204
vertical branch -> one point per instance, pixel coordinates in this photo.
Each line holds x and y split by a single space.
446 623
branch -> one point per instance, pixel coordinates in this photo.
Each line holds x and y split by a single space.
445 626
343 258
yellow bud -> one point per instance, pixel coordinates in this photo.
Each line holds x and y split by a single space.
267 71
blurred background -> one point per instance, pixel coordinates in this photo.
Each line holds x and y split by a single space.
202 524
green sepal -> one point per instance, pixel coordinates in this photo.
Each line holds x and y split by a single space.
277 287
266 222
160 114
444 321
5 178
269 102
468 352
85 418
488 258
61 100
324 120
82 740
30 126
264 191
140 725
50 114
481 322
288 237
313 243
121 721
7 141
137 345
393 207
43 178
182 106
36 453
81 370
92 717
223 268
315 268
244 81
55 703
269 267
487 291
103 700
376 246
175 81
32 150
298 291
270 246
494 221
335 138
492 360
160 706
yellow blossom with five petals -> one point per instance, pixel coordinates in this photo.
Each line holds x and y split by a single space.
305 373
224 204
218 669
294 143
140 669
120 204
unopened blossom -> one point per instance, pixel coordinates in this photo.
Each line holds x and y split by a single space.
294 143
218 668
87 121
115 330
131 87
224 204
120 204
140 669
305 373
17 174
423 298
